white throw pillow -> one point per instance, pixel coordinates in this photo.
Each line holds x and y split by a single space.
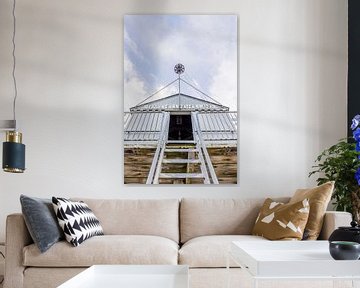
77 220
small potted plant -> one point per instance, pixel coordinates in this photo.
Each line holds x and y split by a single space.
341 163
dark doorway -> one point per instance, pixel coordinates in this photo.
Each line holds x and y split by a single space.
180 127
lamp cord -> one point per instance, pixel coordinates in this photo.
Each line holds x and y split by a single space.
14 61
2 280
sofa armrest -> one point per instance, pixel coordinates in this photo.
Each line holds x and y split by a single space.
17 237
333 220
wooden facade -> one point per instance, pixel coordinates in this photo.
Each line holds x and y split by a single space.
137 163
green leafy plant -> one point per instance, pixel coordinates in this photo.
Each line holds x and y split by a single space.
341 163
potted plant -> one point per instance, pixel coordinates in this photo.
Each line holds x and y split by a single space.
341 163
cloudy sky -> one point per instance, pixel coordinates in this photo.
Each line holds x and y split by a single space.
205 44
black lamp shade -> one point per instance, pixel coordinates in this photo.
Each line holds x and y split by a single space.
13 157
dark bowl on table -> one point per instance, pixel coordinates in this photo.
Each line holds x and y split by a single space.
344 250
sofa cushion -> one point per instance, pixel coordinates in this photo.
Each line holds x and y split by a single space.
211 251
35 277
279 221
41 221
107 249
319 198
200 217
77 220
158 217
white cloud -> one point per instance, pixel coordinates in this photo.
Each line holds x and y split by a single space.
133 85
224 84
208 48
132 45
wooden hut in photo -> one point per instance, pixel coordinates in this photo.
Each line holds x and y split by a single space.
180 139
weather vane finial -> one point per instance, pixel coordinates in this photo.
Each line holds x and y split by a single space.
179 68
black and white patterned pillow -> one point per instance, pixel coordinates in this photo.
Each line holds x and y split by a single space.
77 220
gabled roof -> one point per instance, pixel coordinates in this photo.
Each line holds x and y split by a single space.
179 102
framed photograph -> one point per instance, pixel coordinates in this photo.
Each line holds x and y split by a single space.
180 99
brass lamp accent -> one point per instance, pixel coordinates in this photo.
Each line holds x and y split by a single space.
13 153
14 136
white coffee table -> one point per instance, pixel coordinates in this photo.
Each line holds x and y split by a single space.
300 260
131 276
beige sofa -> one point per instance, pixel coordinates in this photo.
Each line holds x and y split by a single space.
194 232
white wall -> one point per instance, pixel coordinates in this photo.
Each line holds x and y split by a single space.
292 94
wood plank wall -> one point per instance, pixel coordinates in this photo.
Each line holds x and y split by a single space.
137 163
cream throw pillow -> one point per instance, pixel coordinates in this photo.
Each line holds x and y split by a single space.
319 198
279 221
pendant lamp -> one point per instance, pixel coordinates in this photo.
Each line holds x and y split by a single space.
13 160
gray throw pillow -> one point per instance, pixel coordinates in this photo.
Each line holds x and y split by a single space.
41 221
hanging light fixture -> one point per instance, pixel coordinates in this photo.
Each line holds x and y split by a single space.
13 149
